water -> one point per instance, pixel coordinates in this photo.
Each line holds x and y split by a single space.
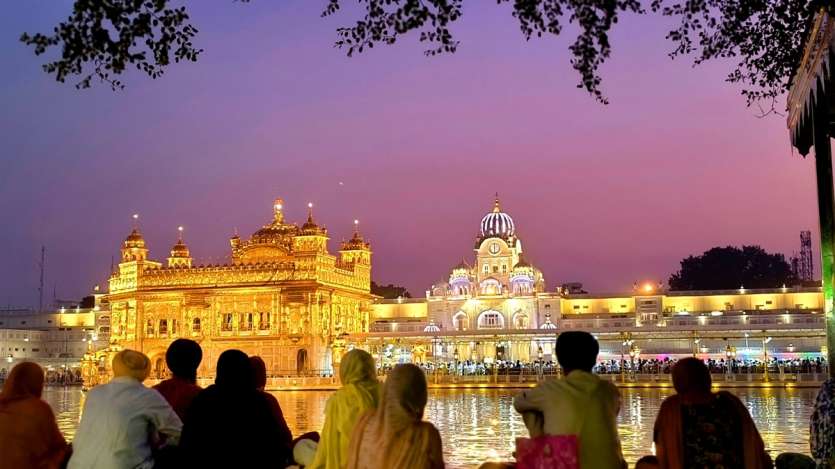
479 424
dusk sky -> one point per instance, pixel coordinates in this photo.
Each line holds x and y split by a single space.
604 195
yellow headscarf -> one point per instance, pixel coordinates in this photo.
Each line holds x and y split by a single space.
394 435
360 392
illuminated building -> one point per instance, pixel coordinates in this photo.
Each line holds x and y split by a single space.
283 296
497 308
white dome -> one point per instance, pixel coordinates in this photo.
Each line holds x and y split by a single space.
497 223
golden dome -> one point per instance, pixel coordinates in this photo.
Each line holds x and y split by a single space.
135 239
180 250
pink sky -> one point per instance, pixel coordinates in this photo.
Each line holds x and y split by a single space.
605 195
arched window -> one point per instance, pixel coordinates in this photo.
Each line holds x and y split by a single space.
195 325
490 319
149 327
460 322
520 320
163 327
491 286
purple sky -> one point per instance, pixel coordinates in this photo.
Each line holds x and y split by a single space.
605 195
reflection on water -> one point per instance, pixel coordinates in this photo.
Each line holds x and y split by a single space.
478 425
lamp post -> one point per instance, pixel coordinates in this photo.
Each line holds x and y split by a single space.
633 354
540 371
455 357
627 342
730 357
766 340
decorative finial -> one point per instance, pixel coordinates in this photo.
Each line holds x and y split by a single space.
278 206
310 212
496 207
180 233
135 217
356 226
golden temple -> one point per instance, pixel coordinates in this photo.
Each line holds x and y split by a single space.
283 296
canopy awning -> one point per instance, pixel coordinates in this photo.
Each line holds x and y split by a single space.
812 81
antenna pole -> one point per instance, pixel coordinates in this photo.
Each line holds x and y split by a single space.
42 265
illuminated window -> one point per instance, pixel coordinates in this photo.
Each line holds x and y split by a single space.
495 268
163 327
195 325
460 322
226 322
149 327
504 268
174 327
264 321
486 269
490 320
245 322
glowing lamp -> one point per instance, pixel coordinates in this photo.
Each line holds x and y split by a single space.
647 288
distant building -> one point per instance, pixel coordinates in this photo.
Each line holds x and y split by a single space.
497 308
57 339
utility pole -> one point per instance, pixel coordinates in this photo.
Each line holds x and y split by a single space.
42 266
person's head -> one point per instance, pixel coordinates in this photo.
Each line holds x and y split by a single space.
577 350
234 370
405 389
357 365
648 462
25 380
691 376
131 364
259 372
183 357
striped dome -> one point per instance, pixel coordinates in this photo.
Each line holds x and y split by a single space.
497 223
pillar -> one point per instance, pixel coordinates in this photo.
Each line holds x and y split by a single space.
826 213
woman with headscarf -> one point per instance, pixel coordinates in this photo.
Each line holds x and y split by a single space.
230 423
359 393
822 426
394 434
697 428
29 436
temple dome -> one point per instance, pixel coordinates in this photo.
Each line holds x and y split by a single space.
135 239
497 224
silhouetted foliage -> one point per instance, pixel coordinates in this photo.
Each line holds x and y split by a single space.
764 36
730 268
389 291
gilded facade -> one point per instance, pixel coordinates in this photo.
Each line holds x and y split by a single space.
283 296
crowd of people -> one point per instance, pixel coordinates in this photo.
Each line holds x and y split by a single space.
369 425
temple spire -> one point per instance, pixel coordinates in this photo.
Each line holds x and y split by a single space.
496 207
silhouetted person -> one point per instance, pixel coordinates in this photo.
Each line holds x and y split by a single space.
284 448
697 428
647 462
122 419
29 435
394 434
230 424
579 404
183 357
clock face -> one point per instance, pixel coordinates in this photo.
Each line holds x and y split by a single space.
494 248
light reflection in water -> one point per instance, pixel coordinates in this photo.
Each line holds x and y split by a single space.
480 425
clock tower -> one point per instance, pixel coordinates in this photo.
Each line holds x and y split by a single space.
497 251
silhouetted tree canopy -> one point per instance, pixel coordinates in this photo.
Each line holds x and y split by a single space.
101 39
389 291
730 268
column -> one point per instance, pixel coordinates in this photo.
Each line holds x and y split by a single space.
826 212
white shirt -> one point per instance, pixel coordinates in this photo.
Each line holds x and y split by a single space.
117 423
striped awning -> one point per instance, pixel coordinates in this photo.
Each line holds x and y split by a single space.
811 81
